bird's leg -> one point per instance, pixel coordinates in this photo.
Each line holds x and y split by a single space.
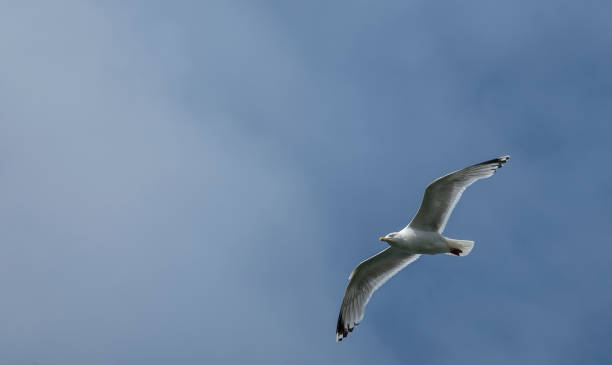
456 251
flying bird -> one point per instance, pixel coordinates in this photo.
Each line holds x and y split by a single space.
421 236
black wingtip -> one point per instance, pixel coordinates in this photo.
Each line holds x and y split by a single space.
341 330
503 159
499 161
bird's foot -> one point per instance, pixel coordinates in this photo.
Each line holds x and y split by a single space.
456 251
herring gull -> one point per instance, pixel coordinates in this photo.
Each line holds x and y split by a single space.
422 236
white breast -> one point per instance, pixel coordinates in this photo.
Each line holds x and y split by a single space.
417 241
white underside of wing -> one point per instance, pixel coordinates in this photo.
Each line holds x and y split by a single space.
364 280
442 194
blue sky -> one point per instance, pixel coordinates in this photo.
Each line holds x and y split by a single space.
192 182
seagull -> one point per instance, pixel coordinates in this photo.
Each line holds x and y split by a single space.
421 236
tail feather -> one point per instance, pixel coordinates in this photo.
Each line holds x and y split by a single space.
464 246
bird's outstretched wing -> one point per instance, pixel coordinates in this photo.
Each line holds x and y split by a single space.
363 281
442 194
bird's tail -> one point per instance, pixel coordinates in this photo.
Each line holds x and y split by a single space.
464 247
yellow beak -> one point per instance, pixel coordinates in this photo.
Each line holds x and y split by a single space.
383 239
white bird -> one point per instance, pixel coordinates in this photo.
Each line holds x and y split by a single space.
422 236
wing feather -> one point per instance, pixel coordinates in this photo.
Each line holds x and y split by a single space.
442 194
363 282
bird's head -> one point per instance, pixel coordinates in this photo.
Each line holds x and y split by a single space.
388 238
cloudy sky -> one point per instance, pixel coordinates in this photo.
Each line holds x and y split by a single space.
192 182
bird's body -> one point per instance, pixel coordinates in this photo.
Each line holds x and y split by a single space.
416 241
422 236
